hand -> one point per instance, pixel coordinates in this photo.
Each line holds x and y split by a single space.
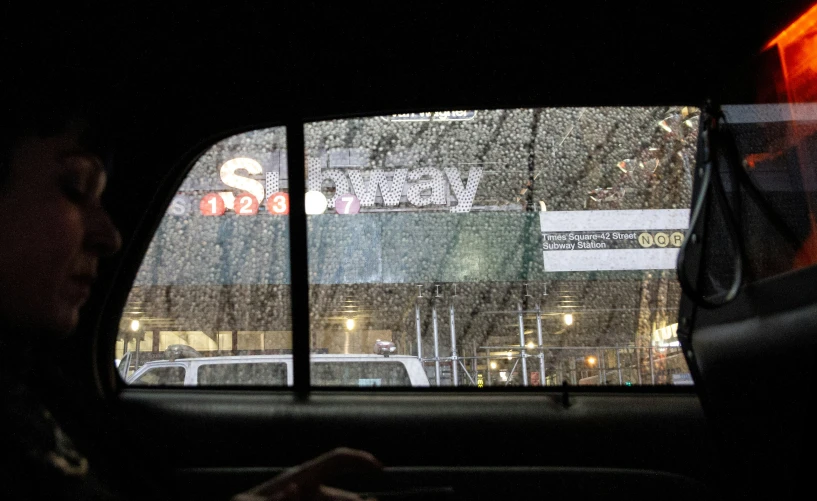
305 482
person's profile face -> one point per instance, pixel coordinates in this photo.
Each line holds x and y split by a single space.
54 231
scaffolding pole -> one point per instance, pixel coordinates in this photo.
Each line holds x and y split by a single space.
488 365
541 349
436 343
454 368
618 365
566 348
419 332
465 370
513 369
522 354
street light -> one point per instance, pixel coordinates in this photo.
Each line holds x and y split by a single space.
350 323
134 325
568 319
591 360
493 365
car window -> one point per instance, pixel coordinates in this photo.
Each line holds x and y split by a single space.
764 172
359 374
522 247
215 279
777 147
161 376
500 248
257 373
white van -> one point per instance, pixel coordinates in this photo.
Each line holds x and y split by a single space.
276 370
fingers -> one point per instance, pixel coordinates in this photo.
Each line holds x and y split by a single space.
288 492
325 493
309 476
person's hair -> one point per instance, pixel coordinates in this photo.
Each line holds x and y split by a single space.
42 111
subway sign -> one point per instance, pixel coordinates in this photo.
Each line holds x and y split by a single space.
354 189
433 116
612 239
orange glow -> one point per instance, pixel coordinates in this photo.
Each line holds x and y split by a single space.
807 253
797 29
797 47
797 51
755 158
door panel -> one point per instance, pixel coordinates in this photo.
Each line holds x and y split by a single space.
472 483
758 382
480 445
751 349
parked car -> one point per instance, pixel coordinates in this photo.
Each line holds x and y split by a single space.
276 370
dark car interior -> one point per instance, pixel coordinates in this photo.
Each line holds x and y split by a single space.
177 78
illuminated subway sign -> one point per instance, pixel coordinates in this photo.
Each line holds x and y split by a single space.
420 187
433 116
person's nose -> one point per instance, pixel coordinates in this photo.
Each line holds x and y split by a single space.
102 238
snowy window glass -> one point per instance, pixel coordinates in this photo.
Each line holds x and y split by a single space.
214 282
469 248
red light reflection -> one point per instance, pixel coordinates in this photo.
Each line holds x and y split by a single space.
797 47
797 51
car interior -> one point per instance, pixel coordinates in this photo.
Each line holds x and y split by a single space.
725 93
